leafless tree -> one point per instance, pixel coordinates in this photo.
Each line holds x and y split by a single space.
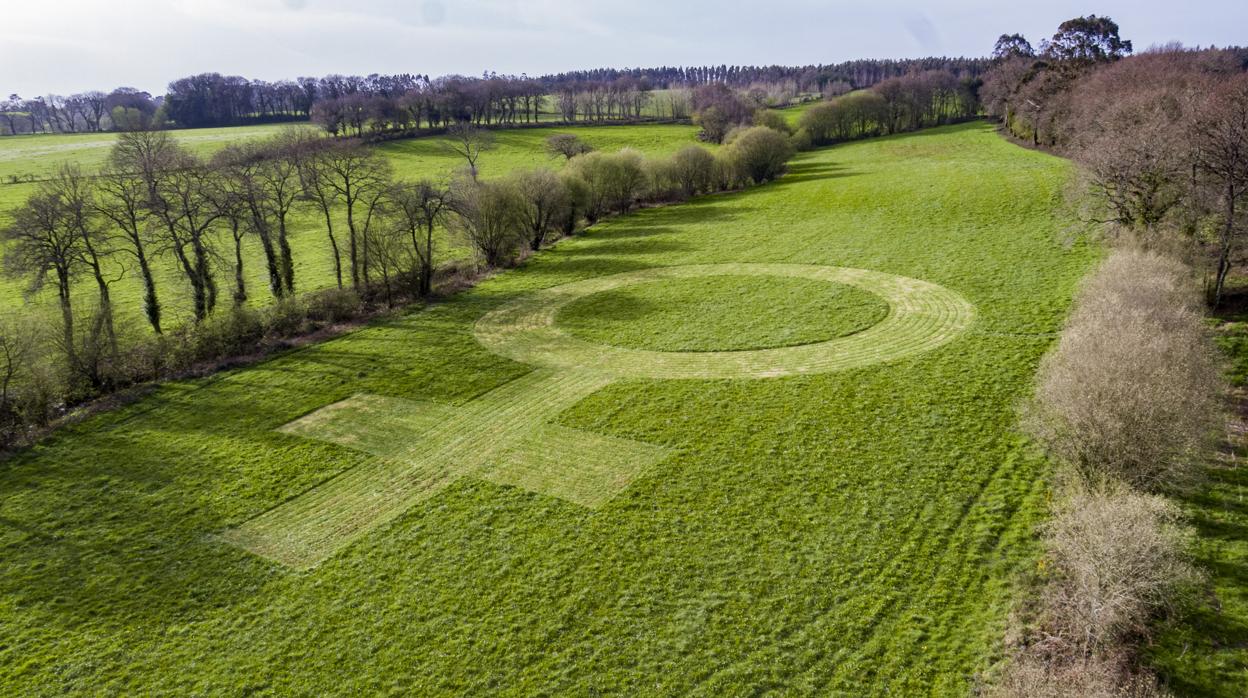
469 142
1220 131
416 208
78 199
567 145
182 203
487 215
42 241
543 200
122 198
357 177
316 179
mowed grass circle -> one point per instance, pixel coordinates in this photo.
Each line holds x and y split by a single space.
730 312
921 317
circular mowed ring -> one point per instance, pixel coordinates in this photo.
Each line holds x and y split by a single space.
921 317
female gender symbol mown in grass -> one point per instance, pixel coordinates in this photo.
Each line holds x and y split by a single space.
503 436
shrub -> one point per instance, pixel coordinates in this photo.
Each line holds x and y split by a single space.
231 333
578 201
801 140
487 216
333 305
1132 389
1118 558
661 181
614 180
760 153
567 145
773 120
693 170
285 318
1032 675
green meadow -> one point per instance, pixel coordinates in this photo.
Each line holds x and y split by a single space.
374 514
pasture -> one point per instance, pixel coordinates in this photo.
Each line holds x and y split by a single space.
760 442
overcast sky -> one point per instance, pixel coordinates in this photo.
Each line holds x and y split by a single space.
65 46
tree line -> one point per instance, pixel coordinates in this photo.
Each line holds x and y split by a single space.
1161 137
78 113
857 74
905 103
213 99
155 205
1130 401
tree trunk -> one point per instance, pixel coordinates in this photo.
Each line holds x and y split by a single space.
426 263
333 244
106 308
67 319
1224 253
151 304
288 264
240 283
198 296
352 245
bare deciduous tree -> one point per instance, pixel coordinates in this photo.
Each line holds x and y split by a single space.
567 145
358 178
183 204
417 208
43 241
487 215
1220 131
122 198
468 141
543 202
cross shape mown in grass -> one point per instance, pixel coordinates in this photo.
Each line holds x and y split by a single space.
505 436
422 447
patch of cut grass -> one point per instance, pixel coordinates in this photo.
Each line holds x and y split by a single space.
721 313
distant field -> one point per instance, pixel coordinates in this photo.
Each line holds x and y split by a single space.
42 155
451 502
413 159
794 114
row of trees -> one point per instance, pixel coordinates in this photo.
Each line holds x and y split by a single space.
857 74
1162 137
212 99
905 103
169 217
495 100
1129 403
85 112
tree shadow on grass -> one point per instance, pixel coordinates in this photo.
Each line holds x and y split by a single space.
803 172
1213 629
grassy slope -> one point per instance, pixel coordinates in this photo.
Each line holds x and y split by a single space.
414 158
852 531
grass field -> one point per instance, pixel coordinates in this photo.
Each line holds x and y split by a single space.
854 530
414 158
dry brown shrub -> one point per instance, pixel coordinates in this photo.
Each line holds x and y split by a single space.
1133 389
1034 676
1119 558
